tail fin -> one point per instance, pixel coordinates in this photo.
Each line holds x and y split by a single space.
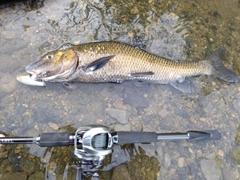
220 71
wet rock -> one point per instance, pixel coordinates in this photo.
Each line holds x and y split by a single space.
142 166
9 34
8 83
218 161
53 126
104 92
120 172
20 109
167 160
7 63
198 153
180 162
220 153
60 168
133 97
230 174
120 115
134 10
118 104
37 176
210 170
14 176
237 136
15 160
160 152
236 155
132 110
163 113
46 115
148 119
3 155
125 127
211 156
28 166
85 99
37 151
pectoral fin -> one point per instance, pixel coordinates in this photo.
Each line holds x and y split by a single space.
142 74
97 64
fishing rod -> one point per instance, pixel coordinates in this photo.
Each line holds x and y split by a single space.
93 143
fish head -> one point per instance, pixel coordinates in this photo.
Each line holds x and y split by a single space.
54 66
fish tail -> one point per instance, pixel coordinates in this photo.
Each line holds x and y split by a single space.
219 70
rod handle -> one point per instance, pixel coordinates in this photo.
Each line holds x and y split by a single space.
125 137
54 139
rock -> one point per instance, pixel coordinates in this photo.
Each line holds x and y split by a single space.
198 153
15 160
134 10
120 127
210 170
14 176
8 64
148 119
236 155
3 155
160 152
211 155
28 166
163 113
180 162
37 176
8 83
118 104
220 153
132 110
121 172
167 160
135 98
37 151
120 115
53 126
9 34
230 174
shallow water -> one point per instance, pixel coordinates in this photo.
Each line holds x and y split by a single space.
179 30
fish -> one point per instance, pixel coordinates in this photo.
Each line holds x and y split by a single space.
98 62
28 80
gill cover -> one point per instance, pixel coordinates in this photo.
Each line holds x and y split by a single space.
56 65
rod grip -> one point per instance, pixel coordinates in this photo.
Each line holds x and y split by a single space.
54 139
125 137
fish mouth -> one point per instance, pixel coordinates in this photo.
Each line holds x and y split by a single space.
57 74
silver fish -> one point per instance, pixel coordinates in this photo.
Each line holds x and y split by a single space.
116 62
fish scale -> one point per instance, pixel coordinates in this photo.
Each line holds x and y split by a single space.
129 60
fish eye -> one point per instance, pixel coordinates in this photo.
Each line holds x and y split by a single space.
49 57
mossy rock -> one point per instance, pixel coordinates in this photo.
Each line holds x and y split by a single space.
236 155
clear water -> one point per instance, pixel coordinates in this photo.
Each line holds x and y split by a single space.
179 30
